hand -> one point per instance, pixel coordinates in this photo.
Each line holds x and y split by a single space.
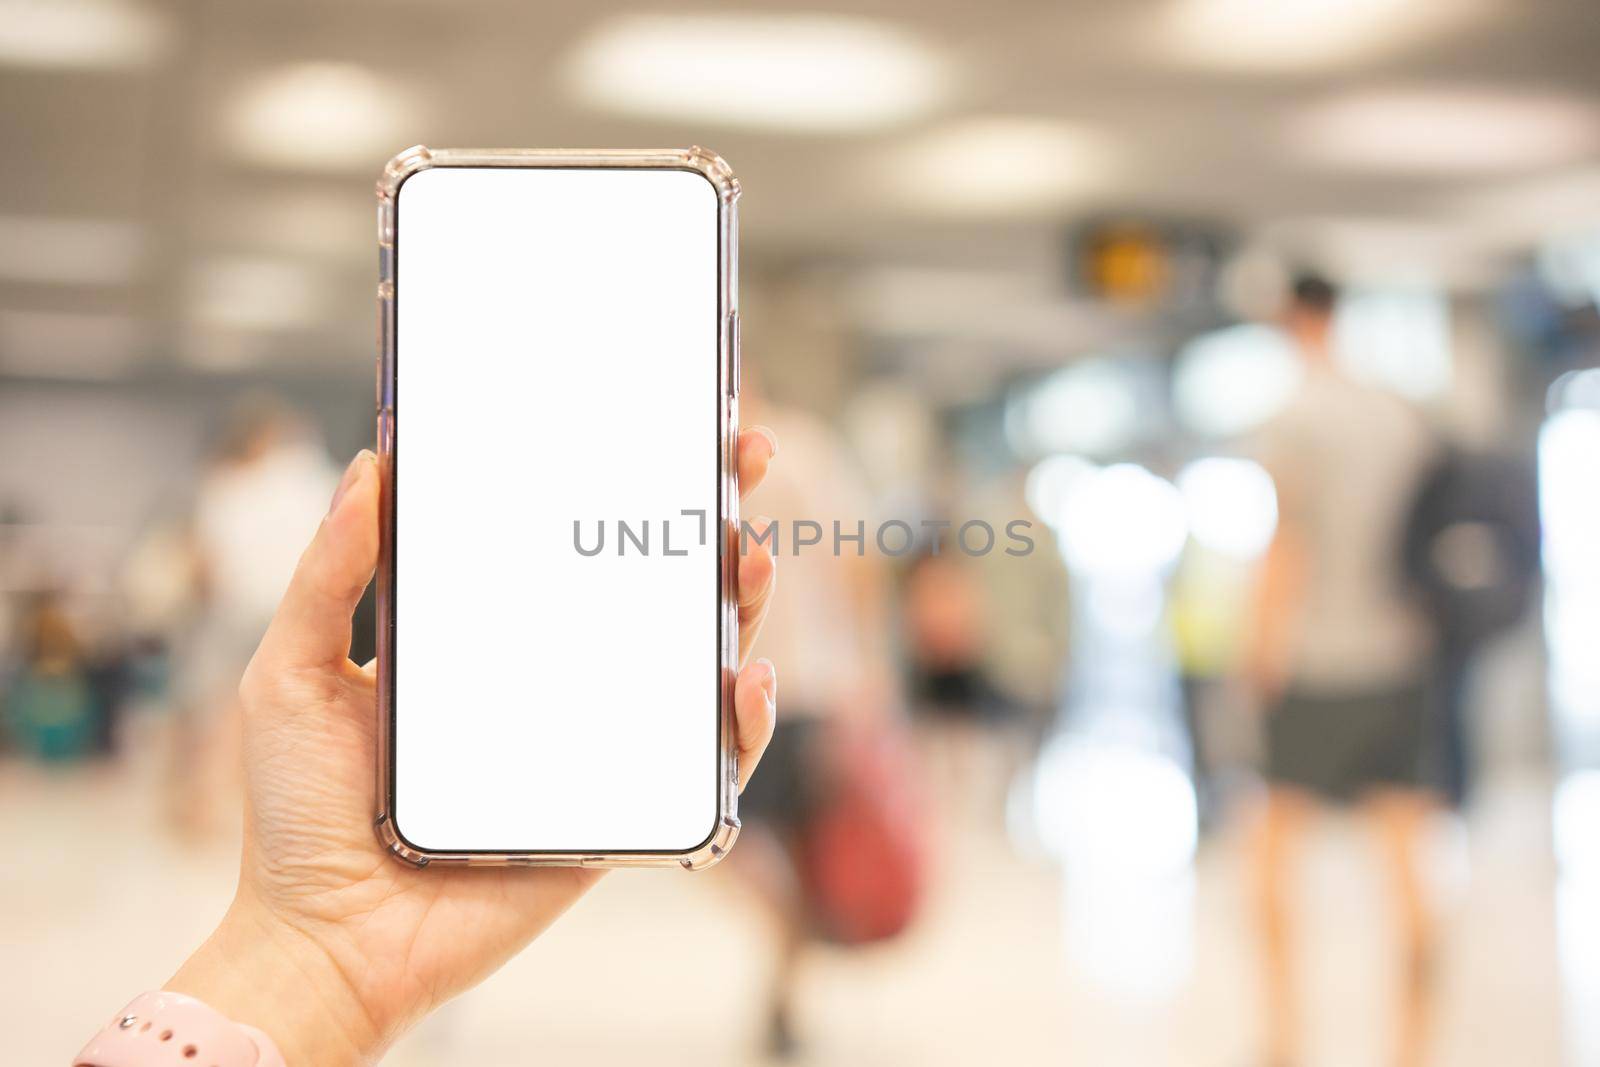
331 946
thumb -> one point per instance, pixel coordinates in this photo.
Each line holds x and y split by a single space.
312 626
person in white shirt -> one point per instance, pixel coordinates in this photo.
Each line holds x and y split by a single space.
262 495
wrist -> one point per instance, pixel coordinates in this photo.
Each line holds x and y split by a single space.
258 970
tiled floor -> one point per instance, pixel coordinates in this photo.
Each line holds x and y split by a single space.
665 967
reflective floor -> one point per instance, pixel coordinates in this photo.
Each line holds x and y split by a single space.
664 967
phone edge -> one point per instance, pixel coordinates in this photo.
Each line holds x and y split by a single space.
716 171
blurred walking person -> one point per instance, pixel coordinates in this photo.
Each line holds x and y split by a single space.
820 800
947 626
1339 659
1472 552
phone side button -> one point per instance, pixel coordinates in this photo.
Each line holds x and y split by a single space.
385 341
733 353
385 431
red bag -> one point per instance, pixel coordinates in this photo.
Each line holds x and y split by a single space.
863 854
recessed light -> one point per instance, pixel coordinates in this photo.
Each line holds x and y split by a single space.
59 250
1231 503
1122 521
1290 35
1230 381
1050 481
80 34
786 71
1090 407
317 116
1445 130
1397 337
999 165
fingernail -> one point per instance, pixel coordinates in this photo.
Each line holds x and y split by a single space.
352 474
769 678
772 438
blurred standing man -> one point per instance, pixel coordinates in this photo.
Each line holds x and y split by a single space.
1339 656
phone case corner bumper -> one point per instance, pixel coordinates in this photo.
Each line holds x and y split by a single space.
396 845
402 166
714 169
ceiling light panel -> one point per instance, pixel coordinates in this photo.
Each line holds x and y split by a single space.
1285 36
1445 130
80 34
999 165
801 73
318 117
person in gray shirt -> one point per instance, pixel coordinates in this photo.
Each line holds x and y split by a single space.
1339 654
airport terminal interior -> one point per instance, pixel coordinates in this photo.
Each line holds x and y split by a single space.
1196 291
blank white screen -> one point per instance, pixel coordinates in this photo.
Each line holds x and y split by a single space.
556 355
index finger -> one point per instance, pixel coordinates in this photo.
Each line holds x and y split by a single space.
754 450
311 628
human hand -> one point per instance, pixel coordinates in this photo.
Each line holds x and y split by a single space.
331 946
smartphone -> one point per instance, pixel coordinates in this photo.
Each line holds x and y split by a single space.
557 406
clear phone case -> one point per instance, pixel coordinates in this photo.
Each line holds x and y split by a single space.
713 169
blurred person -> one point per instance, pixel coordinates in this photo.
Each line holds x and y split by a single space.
947 623
54 711
265 486
1472 553
331 949
1211 599
1339 658
1028 627
828 629
157 586
13 577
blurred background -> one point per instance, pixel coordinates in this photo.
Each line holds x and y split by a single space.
999 262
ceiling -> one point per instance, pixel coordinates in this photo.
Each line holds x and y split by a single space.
186 244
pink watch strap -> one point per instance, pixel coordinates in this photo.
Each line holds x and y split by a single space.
172 1030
